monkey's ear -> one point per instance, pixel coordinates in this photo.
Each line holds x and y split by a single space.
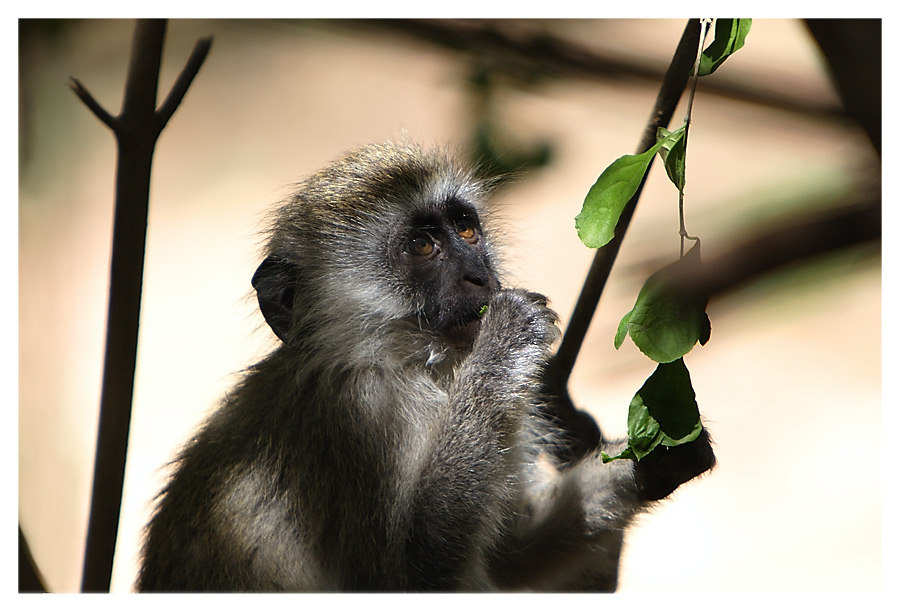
275 282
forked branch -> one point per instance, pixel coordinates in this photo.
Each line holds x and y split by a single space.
136 129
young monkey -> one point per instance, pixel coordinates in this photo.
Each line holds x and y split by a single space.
400 437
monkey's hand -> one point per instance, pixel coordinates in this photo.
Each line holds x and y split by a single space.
664 469
517 332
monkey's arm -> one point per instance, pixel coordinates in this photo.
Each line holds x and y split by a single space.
467 484
568 533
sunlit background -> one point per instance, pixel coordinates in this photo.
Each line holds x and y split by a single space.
789 384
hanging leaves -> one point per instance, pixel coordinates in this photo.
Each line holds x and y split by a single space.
669 316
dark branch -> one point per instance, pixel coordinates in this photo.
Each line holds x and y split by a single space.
852 48
176 94
137 129
30 578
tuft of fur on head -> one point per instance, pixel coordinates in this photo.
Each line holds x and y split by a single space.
337 229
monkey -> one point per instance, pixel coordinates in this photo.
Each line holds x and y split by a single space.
403 435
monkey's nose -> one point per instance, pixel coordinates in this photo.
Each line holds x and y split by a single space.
478 280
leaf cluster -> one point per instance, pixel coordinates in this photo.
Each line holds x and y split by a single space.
669 316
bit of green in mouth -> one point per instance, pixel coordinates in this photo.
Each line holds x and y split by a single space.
482 310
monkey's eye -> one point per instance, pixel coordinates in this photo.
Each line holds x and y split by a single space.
421 245
466 231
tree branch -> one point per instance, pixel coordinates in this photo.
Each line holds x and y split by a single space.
136 129
89 101
139 102
176 94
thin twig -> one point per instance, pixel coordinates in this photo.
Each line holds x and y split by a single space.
176 94
682 230
89 101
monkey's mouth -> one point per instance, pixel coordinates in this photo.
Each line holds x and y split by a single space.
461 334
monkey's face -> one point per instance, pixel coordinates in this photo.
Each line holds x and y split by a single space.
443 260
387 236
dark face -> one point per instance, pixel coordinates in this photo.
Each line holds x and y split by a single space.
443 258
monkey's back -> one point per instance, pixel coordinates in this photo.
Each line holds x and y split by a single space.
226 521
258 502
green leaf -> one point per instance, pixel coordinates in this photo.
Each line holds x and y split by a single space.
644 432
622 331
625 454
730 36
670 400
672 153
663 412
607 198
604 203
668 317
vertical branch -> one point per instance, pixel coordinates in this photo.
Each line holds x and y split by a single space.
670 92
136 129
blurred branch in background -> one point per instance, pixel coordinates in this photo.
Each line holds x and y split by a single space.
780 245
853 50
525 52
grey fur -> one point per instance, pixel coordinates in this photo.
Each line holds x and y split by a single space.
369 453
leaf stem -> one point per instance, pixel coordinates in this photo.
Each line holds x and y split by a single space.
704 29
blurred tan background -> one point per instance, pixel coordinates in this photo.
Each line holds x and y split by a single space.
790 382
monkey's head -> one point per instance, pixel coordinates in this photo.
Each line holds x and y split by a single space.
388 238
